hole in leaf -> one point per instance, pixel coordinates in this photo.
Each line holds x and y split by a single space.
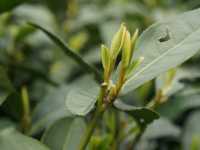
142 120
165 38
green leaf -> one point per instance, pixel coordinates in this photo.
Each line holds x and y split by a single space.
80 101
161 128
50 109
5 86
39 14
191 131
6 5
65 134
10 139
5 123
165 45
142 115
86 67
180 103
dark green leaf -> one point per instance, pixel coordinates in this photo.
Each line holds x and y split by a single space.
142 115
86 67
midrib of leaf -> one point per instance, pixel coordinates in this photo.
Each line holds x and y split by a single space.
160 57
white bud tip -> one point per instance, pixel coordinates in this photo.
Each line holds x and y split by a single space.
141 59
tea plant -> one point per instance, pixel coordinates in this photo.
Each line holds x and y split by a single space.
87 114
139 62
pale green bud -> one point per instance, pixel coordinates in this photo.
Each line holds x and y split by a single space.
126 50
105 56
117 41
133 41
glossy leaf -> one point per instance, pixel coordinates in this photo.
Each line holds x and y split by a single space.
64 134
165 45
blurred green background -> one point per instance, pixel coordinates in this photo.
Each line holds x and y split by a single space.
31 59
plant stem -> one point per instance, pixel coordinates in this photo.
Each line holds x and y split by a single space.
26 120
97 116
137 138
115 136
90 130
104 101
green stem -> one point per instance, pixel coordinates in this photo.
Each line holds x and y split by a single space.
103 103
26 120
97 116
115 135
90 130
156 101
137 138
